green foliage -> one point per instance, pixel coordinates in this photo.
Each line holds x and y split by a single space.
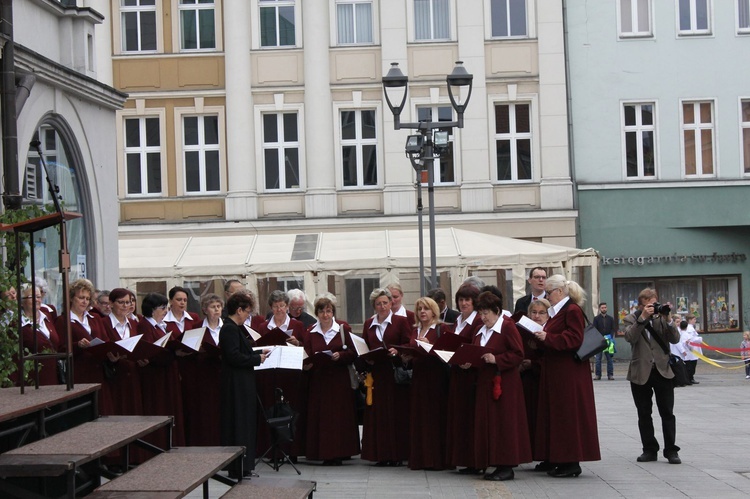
8 307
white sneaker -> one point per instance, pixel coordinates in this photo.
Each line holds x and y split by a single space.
747 377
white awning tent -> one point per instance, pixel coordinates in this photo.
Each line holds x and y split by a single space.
379 252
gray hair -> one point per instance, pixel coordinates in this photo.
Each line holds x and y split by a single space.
296 294
570 289
41 284
377 293
276 297
474 281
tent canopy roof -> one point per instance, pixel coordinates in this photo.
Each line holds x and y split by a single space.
334 252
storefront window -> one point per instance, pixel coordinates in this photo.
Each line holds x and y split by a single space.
712 300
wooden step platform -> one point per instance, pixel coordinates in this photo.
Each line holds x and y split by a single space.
171 475
64 452
272 488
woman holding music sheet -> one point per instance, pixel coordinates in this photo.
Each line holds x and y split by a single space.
332 430
460 434
500 425
43 339
291 381
160 379
385 433
531 369
238 395
200 376
84 327
566 431
429 391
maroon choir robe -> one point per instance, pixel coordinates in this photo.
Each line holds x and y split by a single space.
161 388
566 429
385 433
500 426
429 399
47 367
461 404
125 380
86 369
332 430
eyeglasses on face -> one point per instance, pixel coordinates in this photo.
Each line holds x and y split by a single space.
537 276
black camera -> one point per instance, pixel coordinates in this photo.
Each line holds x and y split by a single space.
660 309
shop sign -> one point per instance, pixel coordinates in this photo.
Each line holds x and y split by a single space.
675 258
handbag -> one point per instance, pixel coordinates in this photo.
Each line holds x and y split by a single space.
402 375
353 376
593 343
678 368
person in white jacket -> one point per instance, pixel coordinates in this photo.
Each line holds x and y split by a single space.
688 336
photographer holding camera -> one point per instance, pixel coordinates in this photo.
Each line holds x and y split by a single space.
649 330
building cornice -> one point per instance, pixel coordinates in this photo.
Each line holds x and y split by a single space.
610 186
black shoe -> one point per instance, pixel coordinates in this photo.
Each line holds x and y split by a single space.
395 464
566 471
611 378
470 471
382 464
500 474
673 458
544 466
646 457
693 382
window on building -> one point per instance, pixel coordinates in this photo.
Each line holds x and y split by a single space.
698 138
197 24
508 18
201 154
639 141
444 167
694 17
354 21
281 151
432 20
513 141
635 18
359 148
277 23
714 301
358 289
745 125
138 25
142 156
743 16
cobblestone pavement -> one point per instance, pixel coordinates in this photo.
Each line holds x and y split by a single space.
713 429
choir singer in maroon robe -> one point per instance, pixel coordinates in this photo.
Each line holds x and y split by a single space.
332 430
566 431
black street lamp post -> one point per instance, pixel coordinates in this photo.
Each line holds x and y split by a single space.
430 143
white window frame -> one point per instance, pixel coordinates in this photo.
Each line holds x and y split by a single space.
696 127
744 125
634 11
742 30
693 31
140 112
366 307
639 128
117 33
198 110
177 27
532 101
453 137
529 22
333 10
340 142
411 28
279 108
257 4
143 150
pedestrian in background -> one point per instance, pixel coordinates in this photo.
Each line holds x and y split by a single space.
605 324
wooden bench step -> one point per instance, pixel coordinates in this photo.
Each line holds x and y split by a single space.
170 475
272 488
63 452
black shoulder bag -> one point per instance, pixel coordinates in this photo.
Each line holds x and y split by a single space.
593 343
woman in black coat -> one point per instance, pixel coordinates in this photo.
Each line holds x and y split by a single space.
238 395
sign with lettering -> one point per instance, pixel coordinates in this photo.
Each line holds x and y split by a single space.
675 258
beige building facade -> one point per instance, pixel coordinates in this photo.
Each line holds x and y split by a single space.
269 117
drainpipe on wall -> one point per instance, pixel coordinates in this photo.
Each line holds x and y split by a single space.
569 99
11 191
24 84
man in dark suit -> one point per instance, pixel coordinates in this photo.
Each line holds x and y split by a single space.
447 315
649 332
297 305
605 324
537 281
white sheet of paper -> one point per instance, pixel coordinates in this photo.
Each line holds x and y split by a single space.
130 343
193 337
360 345
253 333
425 345
96 341
282 357
445 355
163 340
530 325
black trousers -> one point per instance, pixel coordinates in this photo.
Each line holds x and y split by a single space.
690 365
663 389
